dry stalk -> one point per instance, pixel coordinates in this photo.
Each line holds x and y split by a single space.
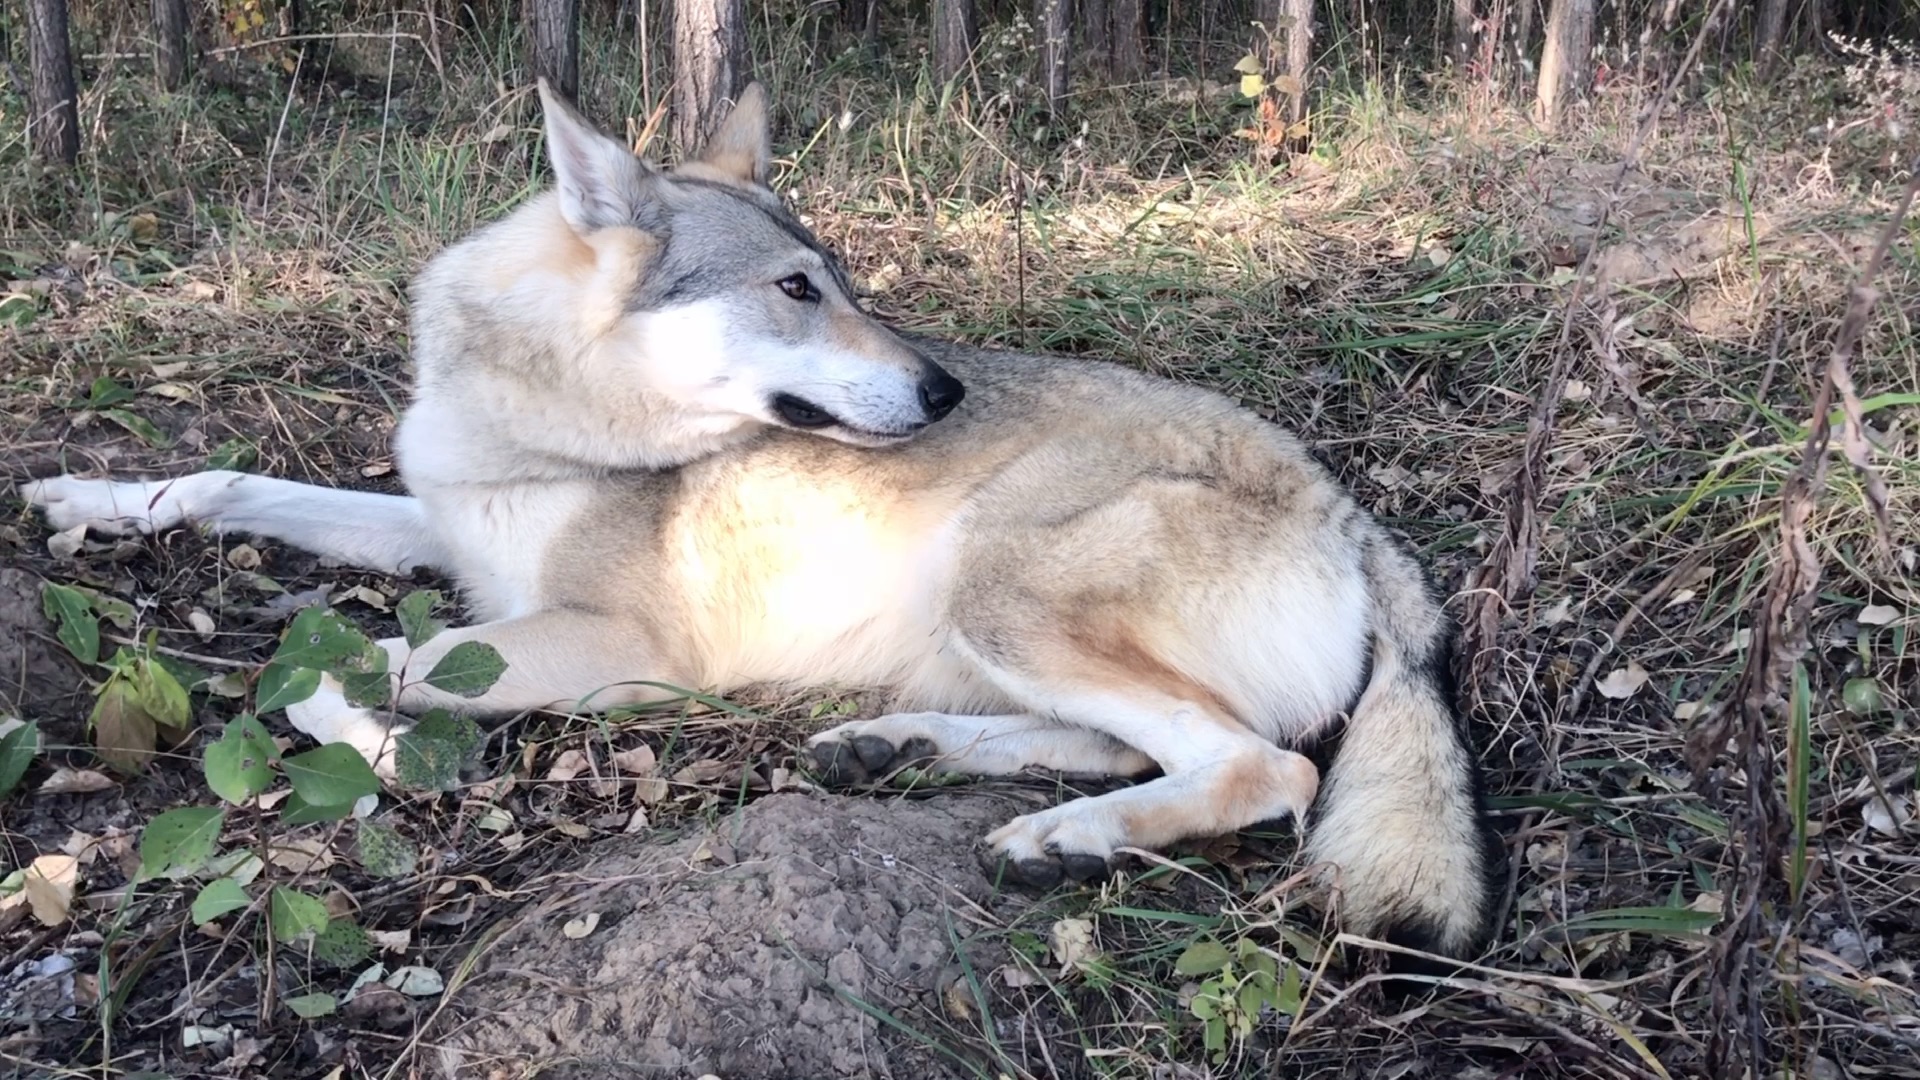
1780 622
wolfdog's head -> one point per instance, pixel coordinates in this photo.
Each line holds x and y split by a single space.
737 309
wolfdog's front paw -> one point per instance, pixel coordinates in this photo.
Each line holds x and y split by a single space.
108 507
1071 841
327 717
855 753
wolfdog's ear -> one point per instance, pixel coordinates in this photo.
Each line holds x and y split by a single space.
601 183
743 147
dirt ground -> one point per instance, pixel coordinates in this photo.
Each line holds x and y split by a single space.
754 949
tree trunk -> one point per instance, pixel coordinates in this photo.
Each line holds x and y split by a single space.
556 44
1564 61
1129 58
1096 28
170 43
1299 38
709 66
1460 50
1056 50
1770 37
53 115
1523 29
955 33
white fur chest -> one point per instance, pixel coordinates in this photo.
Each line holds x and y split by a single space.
499 535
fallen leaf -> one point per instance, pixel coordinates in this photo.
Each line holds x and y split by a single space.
202 623
49 887
1016 977
373 598
1691 710
1560 612
1889 816
581 927
639 761
1622 683
301 855
243 557
1072 941
393 941
1878 615
65 781
1576 391
638 822
199 290
568 765
415 981
65 545
650 789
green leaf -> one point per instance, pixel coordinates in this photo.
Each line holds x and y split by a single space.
342 944
469 669
140 426
459 730
1649 920
179 840
162 696
295 914
312 1006
384 852
281 686
240 765
105 391
217 898
298 811
367 690
77 628
321 638
17 748
111 608
1202 957
236 454
426 764
416 616
330 775
18 309
1287 997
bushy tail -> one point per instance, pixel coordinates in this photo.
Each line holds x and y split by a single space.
1402 813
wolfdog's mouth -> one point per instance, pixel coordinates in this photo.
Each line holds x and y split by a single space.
803 415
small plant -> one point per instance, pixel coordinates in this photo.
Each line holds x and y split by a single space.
143 701
1240 983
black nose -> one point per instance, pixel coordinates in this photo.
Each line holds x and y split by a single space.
939 393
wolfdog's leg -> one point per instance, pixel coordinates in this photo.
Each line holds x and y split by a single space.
1220 775
976 745
358 528
552 658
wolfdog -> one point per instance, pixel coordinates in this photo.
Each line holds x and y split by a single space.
655 441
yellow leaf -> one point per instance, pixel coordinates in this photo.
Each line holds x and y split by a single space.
1252 86
1248 65
49 887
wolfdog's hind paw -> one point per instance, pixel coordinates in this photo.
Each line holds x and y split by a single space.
1044 871
844 759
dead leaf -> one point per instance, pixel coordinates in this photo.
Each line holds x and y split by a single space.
65 781
301 855
638 822
1878 615
567 766
393 941
497 133
581 927
65 545
1560 612
1017 977
704 772
202 623
377 468
199 290
1889 816
243 557
650 789
49 887
1622 683
1073 946
1691 710
373 598
639 761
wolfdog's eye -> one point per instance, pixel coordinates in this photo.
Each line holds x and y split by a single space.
798 287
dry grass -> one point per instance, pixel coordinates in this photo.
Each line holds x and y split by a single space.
1395 298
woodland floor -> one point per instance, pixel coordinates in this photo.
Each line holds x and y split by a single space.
223 278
